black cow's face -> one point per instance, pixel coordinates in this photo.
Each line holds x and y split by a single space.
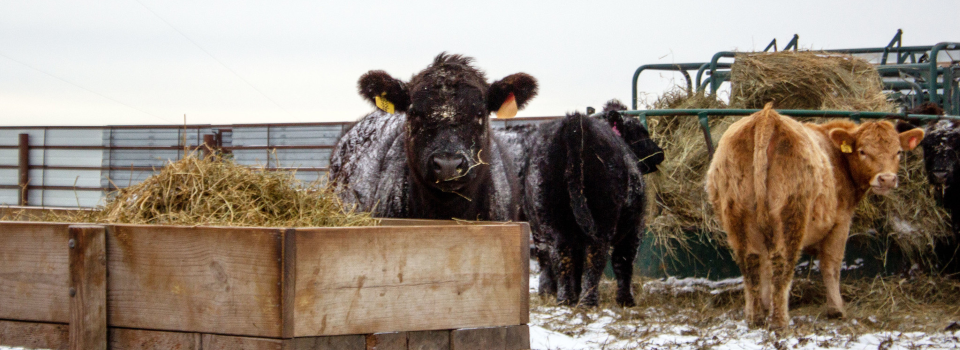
940 152
447 130
636 137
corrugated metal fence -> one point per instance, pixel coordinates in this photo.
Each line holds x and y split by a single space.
77 166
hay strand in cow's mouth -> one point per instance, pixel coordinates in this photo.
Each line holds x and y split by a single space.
219 192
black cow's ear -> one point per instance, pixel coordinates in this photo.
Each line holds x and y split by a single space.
522 86
904 126
377 83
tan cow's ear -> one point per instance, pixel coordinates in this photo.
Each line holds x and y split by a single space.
843 140
910 139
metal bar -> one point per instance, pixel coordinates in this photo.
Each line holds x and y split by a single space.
932 83
793 43
23 163
790 112
209 145
715 83
643 120
772 44
705 126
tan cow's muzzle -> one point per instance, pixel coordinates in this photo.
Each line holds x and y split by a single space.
883 183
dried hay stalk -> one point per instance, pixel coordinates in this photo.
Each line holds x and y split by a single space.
807 80
219 192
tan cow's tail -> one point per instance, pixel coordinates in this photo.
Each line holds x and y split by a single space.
764 128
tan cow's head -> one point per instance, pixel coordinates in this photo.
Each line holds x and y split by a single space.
873 152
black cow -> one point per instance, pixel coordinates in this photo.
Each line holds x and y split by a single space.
433 156
941 160
583 195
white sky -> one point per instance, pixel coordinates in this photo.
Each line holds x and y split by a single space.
120 62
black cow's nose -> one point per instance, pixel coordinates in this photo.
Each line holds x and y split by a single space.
940 176
448 166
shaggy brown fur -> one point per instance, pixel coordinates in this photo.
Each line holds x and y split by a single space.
779 186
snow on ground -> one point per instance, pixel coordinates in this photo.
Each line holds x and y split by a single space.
562 328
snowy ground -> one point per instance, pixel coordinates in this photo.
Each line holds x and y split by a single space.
557 327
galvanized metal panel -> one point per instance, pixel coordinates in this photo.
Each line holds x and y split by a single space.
35 197
150 158
318 135
251 157
302 158
74 157
11 137
145 137
9 157
9 176
35 177
71 199
125 178
80 178
74 137
249 136
310 176
227 138
8 197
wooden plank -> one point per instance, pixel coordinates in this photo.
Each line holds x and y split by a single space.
428 340
224 342
517 337
363 280
34 272
525 274
387 341
33 335
414 222
137 339
195 279
337 342
88 288
289 282
492 338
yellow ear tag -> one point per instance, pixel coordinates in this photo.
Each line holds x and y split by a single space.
383 104
845 148
509 108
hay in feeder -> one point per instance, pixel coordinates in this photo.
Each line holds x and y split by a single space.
807 80
219 192
908 217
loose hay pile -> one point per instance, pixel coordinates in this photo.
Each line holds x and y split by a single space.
219 192
909 216
806 80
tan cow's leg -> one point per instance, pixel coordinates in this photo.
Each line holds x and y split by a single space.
793 226
831 257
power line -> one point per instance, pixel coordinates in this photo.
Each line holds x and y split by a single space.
81 87
213 57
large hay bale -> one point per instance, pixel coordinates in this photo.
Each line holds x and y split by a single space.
219 192
806 80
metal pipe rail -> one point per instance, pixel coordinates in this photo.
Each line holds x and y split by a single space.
676 67
704 114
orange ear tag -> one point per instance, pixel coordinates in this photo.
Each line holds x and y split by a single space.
845 148
509 108
383 104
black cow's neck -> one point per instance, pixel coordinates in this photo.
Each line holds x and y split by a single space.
470 203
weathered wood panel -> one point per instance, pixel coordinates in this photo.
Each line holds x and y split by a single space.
32 335
382 279
136 339
195 279
88 288
222 342
34 272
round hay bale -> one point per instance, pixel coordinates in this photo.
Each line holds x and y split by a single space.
807 80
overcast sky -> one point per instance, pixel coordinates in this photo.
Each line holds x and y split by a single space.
229 62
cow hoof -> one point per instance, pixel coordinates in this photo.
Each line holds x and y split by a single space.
589 302
834 313
626 301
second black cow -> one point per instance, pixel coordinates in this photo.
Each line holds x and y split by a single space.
584 197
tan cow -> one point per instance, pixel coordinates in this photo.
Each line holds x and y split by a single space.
779 186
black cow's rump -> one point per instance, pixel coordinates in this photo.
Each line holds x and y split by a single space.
583 195
435 156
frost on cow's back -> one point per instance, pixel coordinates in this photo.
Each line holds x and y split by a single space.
356 163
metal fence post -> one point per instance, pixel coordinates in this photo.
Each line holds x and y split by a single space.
24 166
